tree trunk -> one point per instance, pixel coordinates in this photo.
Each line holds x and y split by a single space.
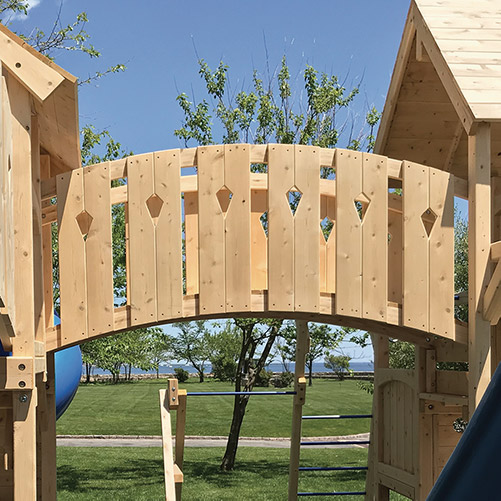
200 376
158 377
230 454
88 368
310 372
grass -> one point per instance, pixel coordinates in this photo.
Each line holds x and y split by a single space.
133 409
110 474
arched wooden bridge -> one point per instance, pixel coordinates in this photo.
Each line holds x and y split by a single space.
198 245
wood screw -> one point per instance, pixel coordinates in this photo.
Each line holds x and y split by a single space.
22 384
23 398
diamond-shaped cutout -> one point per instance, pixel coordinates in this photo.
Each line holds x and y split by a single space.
264 222
362 203
84 221
327 226
428 217
294 197
154 204
224 196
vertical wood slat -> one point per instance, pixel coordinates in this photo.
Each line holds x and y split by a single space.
47 253
330 251
170 490
386 424
441 248
168 235
408 427
280 228
141 240
395 256
348 233
211 230
38 285
375 238
72 262
191 242
306 244
394 437
237 232
259 241
99 249
8 202
416 255
3 192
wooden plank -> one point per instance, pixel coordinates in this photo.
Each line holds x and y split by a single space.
441 254
237 228
386 424
259 241
24 433
180 436
191 242
408 423
211 229
170 490
47 255
169 257
72 261
375 238
492 297
280 228
302 347
395 257
479 237
416 253
98 249
306 243
142 277
330 251
348 233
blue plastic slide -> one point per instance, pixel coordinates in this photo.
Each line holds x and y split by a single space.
474 468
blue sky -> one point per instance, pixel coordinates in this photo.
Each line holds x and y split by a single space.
159 40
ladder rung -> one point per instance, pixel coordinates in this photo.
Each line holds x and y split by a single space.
331 493
339 442
346 416
331 468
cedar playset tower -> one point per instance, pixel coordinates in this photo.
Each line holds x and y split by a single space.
387 266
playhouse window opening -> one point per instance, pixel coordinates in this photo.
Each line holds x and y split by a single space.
119 216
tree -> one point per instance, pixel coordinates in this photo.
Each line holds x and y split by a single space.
339 364
268 112
192 344
257 338
224 348
322 339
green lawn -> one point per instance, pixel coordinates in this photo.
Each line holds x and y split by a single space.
133 409
121 474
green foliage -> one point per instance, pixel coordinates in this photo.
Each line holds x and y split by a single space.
460 262
192 344
283 380
225 349
263 378
182 375
402 354
339 364
268 112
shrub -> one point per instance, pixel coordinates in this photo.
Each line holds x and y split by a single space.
224 368
283 380
182 375
263 378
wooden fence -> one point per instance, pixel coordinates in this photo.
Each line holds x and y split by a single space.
370 243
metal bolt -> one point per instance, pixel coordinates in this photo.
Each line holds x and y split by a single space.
430 407
23 398
173 388
22 384
47 386
173 399
21 367
427 339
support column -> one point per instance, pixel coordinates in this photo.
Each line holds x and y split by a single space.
302 348
46 434
479 238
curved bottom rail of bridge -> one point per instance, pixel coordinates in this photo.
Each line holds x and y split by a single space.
335 468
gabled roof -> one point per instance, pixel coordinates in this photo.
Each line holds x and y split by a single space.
446 79
55 100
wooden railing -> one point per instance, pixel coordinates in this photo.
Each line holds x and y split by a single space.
208 237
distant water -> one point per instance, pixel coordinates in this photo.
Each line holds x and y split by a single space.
274 367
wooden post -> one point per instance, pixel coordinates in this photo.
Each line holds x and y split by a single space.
180 434
375 490
479 238
168 400
302 348
46 417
